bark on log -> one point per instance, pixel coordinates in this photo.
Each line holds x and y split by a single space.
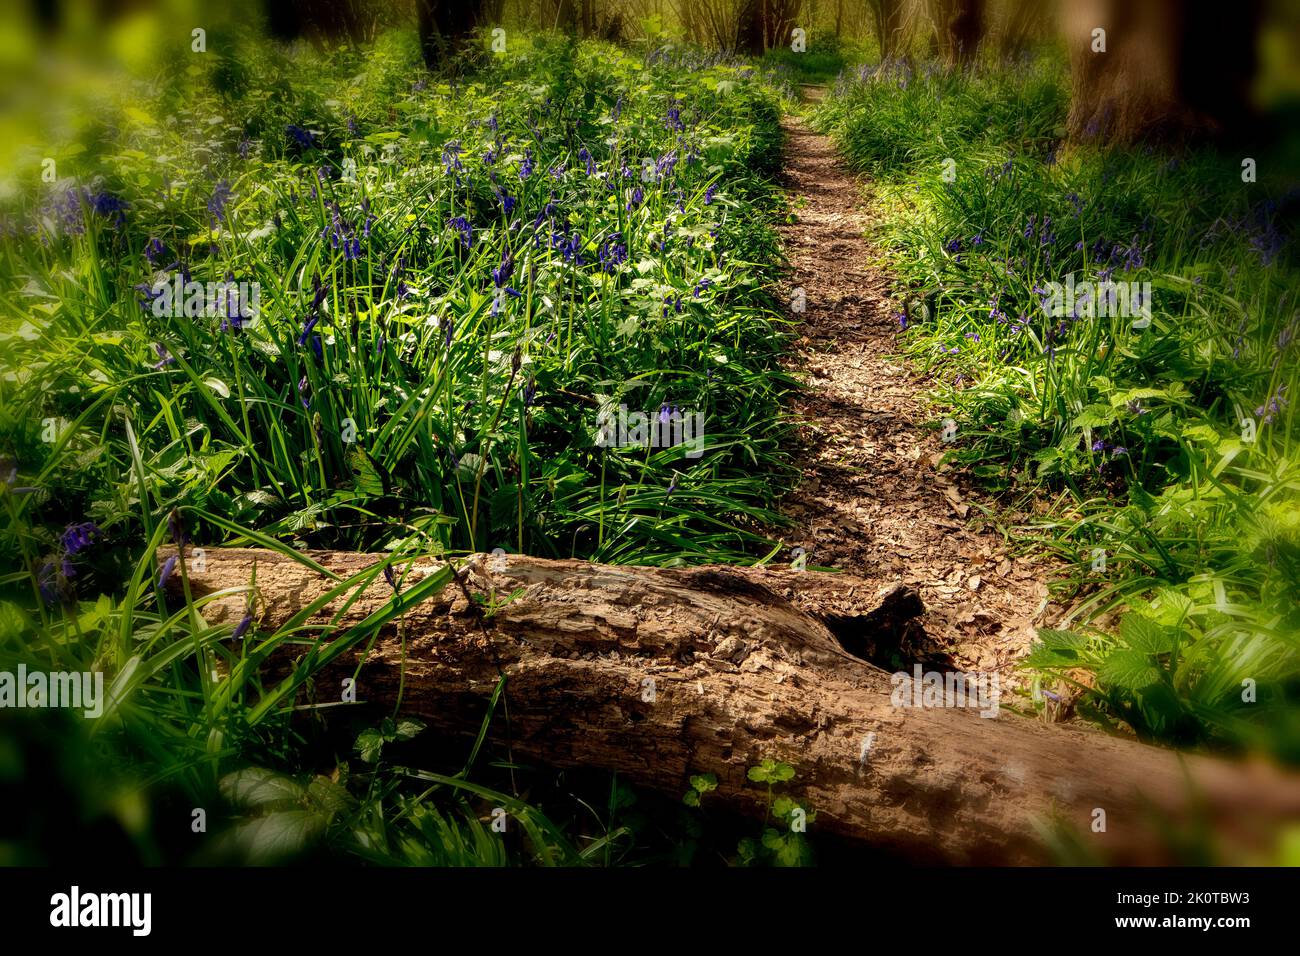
750 664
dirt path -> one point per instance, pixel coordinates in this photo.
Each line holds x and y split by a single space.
874 499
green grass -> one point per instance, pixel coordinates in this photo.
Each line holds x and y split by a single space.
1160 446
456 278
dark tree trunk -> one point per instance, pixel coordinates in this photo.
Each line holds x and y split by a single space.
1170 70
749 28
965 30
443 25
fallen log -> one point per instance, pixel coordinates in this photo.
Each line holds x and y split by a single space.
663 673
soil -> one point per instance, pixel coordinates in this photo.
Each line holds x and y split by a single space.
875 498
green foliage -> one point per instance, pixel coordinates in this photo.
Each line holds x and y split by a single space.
456 277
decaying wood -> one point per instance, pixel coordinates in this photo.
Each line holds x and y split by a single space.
748 664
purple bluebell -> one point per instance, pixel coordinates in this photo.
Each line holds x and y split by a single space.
463 227
168 567
218 201
303 137
78 537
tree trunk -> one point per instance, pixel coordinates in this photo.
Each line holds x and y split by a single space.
749 28
663 673
1170 70
442 25
965 30
887 23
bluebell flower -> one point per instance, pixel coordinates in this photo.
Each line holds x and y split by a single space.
612 252
462 226
302 137
217 203
155 251
307 329
78 537
451 159
673 121
501 274
109 206
244 624
168 567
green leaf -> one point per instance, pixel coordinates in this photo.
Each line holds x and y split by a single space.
1128 670
704 782
769 771
1061 640
369 745
1145 635
278 836
257 787
408 728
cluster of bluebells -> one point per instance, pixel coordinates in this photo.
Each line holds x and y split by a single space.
1273 407
70 209
55 575
344 235
221 196
1108 451
303 138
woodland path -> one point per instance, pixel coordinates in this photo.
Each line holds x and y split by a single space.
874 499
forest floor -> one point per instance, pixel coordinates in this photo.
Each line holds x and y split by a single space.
875 498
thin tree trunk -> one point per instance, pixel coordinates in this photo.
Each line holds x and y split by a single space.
659 674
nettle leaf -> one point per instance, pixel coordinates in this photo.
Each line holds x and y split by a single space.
1128 670
1146 635
369 745
470 466
1120 399
1095 416
328 796
1046 657
1206 434
257 787
408 728
278 836
1061 640
369 479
